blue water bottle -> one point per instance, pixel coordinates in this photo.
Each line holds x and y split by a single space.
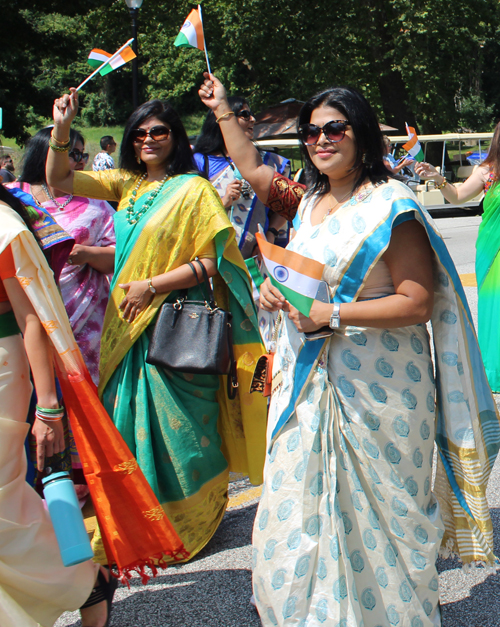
67 519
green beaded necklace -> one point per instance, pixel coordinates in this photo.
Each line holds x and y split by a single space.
134 216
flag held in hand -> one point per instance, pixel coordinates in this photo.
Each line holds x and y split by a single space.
191 33
297 277
97 57
413 147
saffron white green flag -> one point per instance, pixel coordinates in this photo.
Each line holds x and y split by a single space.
191 33
413 147
97 57
297 277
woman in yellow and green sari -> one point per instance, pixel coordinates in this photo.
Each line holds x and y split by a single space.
183 430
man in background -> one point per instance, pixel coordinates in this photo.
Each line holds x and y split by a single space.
7 169
103 160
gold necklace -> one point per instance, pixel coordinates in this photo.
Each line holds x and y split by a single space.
328 213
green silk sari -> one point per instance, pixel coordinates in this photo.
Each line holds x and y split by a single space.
183 430
488 286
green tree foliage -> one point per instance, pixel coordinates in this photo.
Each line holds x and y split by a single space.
419 61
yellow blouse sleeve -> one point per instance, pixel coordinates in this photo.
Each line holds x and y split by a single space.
103 185
209 252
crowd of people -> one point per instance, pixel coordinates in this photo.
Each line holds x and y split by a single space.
355 505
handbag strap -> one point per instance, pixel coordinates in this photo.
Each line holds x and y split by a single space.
232 377
211 299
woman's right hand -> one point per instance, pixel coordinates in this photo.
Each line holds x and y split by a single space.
212 92
233 192
271 299
426 170
49 439
65 110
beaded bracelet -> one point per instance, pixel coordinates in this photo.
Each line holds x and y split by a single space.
224 116
56 148
443 184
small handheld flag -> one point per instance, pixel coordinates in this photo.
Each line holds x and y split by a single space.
297 277
105 62
191 34
413 147
101 59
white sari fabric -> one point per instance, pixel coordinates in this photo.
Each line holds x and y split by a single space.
348 528
35 587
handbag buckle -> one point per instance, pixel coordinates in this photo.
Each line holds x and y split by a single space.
210 309
179 304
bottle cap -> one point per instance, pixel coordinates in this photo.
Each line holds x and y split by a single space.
56 475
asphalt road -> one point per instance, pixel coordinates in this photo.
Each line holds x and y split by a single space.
214 589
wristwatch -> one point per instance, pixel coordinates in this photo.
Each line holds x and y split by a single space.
151 288
335 317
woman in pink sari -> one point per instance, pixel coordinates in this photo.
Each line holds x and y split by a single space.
84 280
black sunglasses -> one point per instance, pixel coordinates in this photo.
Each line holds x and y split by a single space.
157 133
334 131
78 156
245 114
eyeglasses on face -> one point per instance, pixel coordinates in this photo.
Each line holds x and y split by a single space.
157 134
334 131
244 114
78 156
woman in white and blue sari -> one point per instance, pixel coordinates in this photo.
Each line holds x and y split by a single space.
349 525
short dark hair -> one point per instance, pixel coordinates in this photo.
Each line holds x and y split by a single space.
369 143
210 139
36 154
4 158
182 161
106 141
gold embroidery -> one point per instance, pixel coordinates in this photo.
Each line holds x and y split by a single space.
205 419
198 393
24 281
205 441
247 359
127 467
155 514
50 326
142 434
174 424
246 325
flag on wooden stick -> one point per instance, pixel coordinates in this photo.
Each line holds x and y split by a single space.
413 147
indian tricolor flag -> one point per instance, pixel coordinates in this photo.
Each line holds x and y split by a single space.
296 277
191 33
97 57
413 147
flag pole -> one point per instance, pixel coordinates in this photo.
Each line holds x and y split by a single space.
111 58
204 40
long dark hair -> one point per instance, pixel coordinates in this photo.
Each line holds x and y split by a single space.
493 158
369 143
15 204
182 156
36 155
210 139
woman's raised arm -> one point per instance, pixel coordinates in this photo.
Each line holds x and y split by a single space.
57 170
239 147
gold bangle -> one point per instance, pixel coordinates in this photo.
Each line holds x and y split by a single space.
57 148
59 143
228 114
443 184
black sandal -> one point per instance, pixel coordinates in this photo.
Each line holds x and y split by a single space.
103 591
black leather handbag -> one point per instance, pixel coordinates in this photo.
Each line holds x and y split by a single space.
195 336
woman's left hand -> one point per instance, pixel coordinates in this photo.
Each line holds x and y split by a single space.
317 317
78 255
137 299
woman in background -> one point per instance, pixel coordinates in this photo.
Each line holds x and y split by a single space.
484 178
84 280
245 209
